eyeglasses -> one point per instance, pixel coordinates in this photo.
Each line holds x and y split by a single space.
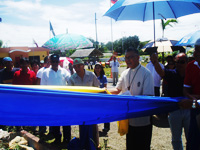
130 57
181 62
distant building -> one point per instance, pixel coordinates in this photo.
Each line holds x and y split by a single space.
107 54
37 53
92 54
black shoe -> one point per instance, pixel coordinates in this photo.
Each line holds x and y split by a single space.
64 144
57 142
48 137
103 134
41 135
66 141
105 130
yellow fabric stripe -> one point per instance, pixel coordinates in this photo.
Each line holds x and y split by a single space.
85 89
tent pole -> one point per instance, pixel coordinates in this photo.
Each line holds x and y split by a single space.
154 25
96 46
111 30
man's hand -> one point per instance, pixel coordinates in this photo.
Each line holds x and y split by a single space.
185 103
154 58
155 62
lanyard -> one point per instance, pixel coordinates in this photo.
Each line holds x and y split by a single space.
133 77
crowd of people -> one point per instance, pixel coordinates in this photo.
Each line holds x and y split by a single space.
181 78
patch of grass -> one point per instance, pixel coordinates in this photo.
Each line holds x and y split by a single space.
107 70
144 64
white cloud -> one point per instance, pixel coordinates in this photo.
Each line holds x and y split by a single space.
17 35
31 20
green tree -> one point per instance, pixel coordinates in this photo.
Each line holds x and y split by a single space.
68 53
166 23
93 41
131 41
102 47
141 45
1 43
122 44
109 45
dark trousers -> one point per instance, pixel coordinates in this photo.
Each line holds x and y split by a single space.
55 130
107 126
139 138
42 129
67 133
89 136
157 91
193 142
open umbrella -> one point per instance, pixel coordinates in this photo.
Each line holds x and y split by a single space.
64 42
64 62
70 60
189 39
162 44
152 9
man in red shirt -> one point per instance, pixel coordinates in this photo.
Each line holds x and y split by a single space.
192 91
24 76
192 79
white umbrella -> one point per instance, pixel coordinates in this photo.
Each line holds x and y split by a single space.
162 44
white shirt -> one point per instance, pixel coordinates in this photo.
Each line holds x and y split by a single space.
40 71
155 75
114 66
51 77
142 84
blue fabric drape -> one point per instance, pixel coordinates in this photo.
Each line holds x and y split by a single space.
43 107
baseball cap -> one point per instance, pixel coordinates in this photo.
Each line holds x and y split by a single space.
97 64
197 43
54 57
7 59
77 61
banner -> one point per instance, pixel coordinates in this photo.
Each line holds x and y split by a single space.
34 42
51 29
55 106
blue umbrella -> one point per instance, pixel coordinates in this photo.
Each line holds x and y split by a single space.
64 42
152 9
189 40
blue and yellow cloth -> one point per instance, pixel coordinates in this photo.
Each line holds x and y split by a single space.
71 105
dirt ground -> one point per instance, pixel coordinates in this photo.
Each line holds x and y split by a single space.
161 138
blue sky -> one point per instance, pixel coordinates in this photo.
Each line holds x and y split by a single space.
25 20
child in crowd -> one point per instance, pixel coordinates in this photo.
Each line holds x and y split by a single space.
99 72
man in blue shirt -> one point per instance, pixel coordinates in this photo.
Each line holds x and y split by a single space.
6 74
